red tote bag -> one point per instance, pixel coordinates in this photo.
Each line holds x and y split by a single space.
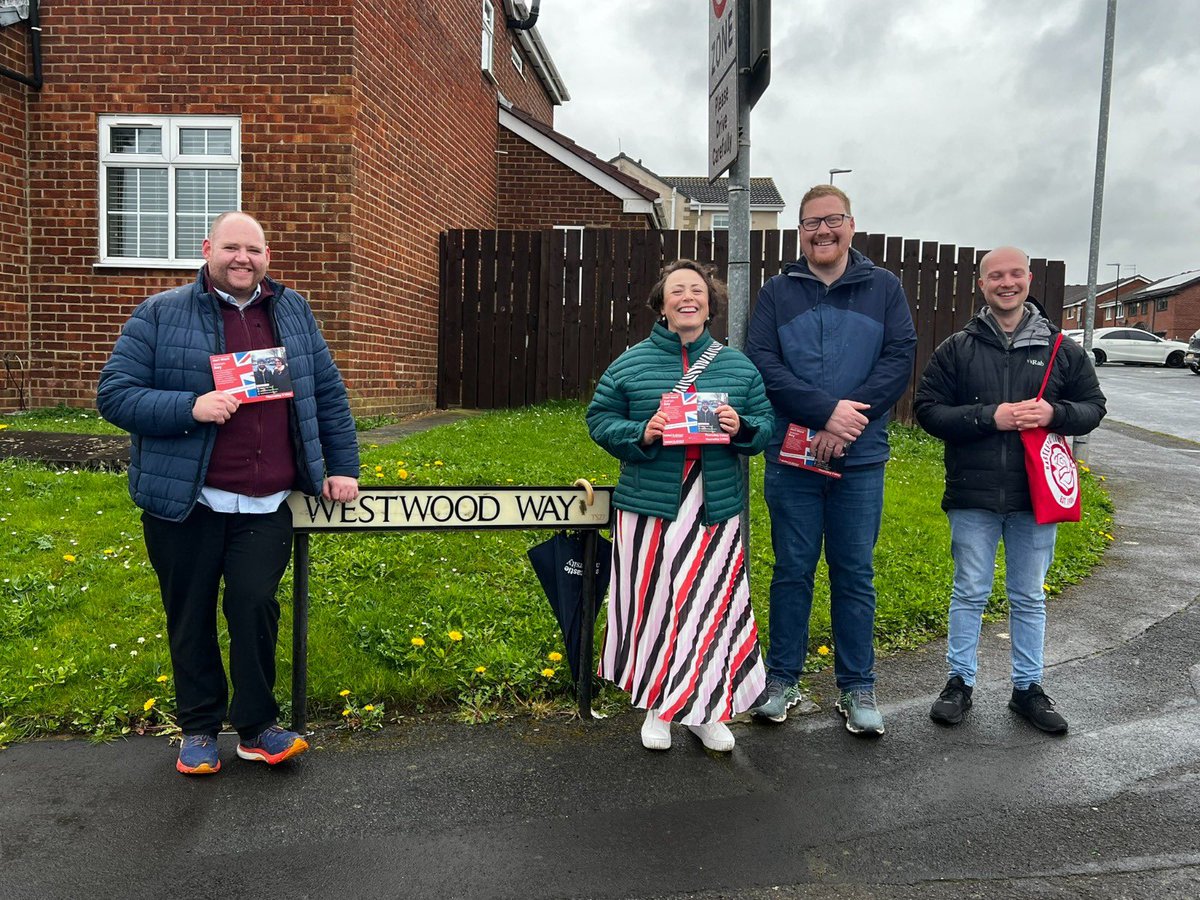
1053 475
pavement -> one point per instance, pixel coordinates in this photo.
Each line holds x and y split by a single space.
557 808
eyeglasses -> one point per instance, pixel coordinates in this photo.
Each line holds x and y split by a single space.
833 221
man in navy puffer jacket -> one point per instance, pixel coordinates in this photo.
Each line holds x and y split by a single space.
834 340
212 475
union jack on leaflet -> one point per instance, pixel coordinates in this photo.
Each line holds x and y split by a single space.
253 375
797 450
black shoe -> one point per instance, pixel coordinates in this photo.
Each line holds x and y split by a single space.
1033 704
952 703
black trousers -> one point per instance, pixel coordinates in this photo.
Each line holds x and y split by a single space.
191 558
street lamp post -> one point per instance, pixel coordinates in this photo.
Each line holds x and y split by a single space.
833 172
1117 287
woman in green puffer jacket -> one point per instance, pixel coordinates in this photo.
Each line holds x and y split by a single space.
681 636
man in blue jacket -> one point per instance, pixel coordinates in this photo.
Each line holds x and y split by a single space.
834 340
212 475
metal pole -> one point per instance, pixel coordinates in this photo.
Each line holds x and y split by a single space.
587 623
299 632
1110 30
739 232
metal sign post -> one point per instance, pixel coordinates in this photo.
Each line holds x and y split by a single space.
390 508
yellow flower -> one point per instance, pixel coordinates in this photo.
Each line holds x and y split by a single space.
345 712
109 551
418 642
438 462
379 468
162 679
822 650
403 473
479 670
456 636
547 673
149 704
368 708
69 557
344 693
554 656
2 427
1046 588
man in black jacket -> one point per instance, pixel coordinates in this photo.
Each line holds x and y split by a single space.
977 394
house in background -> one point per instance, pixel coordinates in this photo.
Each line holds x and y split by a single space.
1169 308
1075 299
692 204
355 131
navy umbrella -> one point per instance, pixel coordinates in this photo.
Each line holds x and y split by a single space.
558 563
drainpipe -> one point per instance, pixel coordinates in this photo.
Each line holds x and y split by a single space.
528 22
35 51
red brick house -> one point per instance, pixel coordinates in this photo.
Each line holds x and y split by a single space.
1107 295
356 131
1170 308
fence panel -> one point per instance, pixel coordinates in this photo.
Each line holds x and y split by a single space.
531 316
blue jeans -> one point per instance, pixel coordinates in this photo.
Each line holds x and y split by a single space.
806 509
1028 551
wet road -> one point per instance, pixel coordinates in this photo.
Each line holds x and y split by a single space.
1162 400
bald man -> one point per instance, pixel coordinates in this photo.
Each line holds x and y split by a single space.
977 394
212 473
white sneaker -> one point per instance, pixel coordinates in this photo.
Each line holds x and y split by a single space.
656 734
715 736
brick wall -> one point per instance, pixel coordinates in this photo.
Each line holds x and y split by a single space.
14 273
1178 321
537 191
366 129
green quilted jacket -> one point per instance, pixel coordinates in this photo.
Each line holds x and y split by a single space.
628 395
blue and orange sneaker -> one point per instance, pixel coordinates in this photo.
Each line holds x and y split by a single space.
198 755
273 746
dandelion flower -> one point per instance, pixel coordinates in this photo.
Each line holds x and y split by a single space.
438 462
69 557
479 670
554 656
368 708
379 468
456 636
822 650
547 673
418 642
149 704
163 679
344 693
1046 588
109 551
402 474
345 712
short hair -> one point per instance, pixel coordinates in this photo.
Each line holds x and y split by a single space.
824 190
717 292
983 260
229 214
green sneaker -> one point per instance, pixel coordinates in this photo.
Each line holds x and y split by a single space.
776 700
861 711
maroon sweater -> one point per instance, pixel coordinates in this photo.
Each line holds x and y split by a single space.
253 454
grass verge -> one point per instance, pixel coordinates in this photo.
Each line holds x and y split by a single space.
402 623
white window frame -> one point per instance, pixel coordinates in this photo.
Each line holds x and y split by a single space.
720 227
518 63
488 39
170 159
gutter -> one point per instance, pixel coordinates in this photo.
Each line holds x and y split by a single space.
35 51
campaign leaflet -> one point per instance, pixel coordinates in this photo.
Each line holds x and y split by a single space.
253 376
692 418
797 451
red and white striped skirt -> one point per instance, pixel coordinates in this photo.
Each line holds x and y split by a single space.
681 637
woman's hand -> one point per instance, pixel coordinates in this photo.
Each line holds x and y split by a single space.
654 428
730 421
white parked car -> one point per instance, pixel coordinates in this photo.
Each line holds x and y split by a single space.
1132 346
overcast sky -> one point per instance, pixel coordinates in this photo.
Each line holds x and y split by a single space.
966 122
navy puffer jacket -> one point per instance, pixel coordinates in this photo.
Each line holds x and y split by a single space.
160 365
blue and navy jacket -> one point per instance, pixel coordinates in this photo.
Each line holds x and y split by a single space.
160 366
816 344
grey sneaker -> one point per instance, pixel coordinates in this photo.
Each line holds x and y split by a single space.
778 698
861 711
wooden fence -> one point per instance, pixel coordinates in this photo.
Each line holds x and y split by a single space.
528 316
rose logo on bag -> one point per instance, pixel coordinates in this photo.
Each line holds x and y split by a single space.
1061 477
